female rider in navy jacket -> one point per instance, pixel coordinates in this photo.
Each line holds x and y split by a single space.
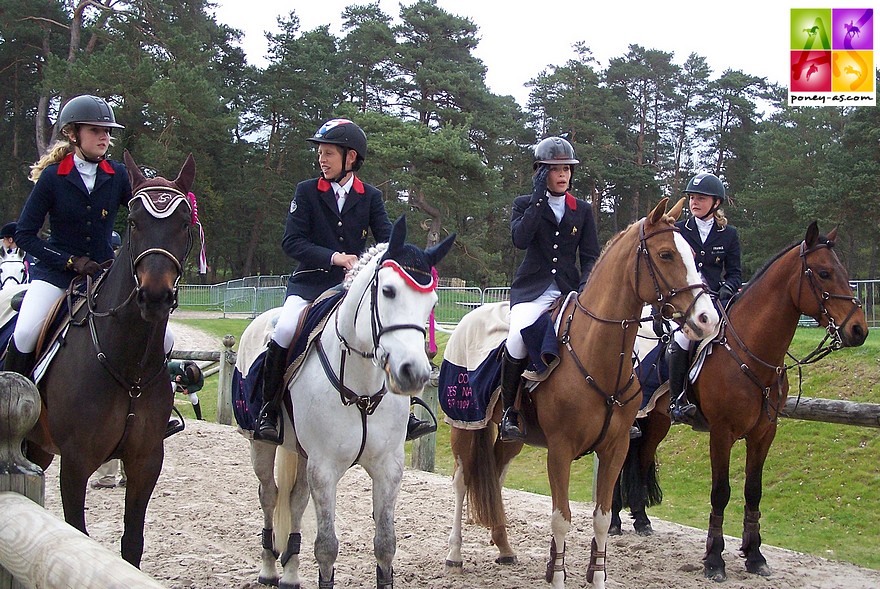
80 191
558 233
717 255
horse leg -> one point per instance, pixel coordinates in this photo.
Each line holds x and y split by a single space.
453 557
616 527
756 454
386 475
142 474
610 465
654 427
559 474
719 451
504 453
323 482
263 463
298 500
73 478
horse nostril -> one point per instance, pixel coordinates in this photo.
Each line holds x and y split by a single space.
704 319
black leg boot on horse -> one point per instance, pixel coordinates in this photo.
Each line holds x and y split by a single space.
510 429
680 410
20 362
268 427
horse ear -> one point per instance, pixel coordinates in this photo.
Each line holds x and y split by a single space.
398 234
655 215
675 212
438 252
187 174
832 235
135 177
812 234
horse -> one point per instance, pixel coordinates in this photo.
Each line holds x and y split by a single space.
373 344
12 268
586 404
105 393
743 384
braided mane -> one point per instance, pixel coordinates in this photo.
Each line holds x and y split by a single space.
366 258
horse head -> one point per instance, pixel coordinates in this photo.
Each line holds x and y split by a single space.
674 286
397 284
158 237
824 292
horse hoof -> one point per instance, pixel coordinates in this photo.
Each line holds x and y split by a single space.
645 530
454 567
615 531
505 560
271 581
758 568
717 575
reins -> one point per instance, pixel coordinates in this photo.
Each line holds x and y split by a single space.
664 293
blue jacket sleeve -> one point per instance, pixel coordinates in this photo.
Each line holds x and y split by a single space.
588 249
297 241
525 220
33 215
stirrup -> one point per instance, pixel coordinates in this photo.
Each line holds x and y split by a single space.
175 425
508 431
415 427
262 431
682 414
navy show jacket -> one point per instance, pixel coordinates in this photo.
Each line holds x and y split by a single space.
81 223
316 229
718 260
564 251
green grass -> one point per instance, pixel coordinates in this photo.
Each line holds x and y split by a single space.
820 482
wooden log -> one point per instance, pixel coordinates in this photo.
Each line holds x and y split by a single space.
224 384
196 355
40 550
833 411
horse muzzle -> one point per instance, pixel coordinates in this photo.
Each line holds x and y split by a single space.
156 303
408 378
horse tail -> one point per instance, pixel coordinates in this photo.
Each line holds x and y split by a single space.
286 463
633 482
474 448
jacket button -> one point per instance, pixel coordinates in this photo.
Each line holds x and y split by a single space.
557 234
553 271
88 239
555 259
555 246
339 224
340 239
88 207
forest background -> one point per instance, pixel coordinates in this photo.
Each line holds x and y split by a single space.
443 149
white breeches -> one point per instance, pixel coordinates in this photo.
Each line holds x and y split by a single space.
525 314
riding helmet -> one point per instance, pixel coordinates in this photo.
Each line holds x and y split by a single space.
347 135
554 150
87 110
706 183
115 240
8 230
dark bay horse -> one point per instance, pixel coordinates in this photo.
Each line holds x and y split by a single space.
587 404
743 384
106 393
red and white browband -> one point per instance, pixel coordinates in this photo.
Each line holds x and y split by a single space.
407 277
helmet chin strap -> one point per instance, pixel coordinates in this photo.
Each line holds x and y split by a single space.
82 155
345 172
716 204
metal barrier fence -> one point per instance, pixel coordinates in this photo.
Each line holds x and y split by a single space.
255 294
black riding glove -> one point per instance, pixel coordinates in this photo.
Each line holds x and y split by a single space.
85 266
725 293
539 182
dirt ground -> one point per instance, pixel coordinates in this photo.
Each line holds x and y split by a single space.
203 531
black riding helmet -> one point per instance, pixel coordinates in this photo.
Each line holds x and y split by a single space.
554 150
347 135
710 185
8 230
87 110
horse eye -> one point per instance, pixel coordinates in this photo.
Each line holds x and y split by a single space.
132 224
665 255
824 274
389 292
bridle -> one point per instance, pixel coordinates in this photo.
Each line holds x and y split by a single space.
832 332
159 205
664 293
367 403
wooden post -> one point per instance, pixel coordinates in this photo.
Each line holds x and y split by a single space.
224 384
833 411
19 410
423 449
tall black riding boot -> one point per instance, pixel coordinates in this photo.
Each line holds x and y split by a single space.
512 368
20 362
197 407
268 426
680 410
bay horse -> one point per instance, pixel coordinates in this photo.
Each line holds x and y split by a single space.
373 343
743 384
587 404
105 394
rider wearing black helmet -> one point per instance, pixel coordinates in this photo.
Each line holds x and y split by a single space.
79 191
326 232
717 255
558 233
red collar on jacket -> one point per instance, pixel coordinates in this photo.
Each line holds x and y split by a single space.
66 166
357 185
570 201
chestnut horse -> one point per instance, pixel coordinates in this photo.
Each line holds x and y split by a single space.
105 394
587 404
743 385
